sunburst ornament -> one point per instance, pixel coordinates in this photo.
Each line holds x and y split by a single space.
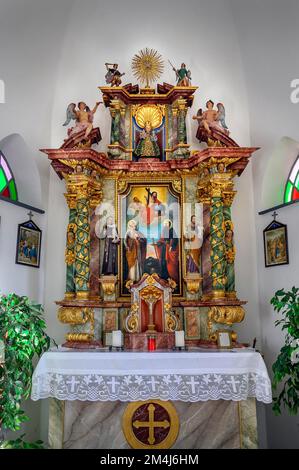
147 66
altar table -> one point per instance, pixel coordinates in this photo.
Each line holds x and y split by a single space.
228 382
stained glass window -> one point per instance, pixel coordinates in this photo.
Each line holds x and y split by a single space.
7 183
291 192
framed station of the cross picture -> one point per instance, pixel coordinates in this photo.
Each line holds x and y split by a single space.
276 244
28 244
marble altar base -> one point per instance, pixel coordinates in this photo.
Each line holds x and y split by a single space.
203 425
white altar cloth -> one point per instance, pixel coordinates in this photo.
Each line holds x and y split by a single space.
131 376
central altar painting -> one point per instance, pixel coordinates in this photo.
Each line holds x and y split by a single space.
150 229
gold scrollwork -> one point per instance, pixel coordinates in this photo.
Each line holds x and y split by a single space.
77 316
171 321
193 284
121 186
108 284
132 320
78 337
226 315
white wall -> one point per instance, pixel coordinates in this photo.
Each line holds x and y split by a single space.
268 35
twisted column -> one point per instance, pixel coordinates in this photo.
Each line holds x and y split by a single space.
230 249
70 248
217 245
82 249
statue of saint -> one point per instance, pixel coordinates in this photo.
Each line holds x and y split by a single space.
110 235
113 75
135 246
147 145
183 75
193 241
168 252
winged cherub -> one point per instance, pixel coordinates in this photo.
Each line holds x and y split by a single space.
83 117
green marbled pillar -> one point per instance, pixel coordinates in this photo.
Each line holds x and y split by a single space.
70 248
217 246
182 132
82 249
230 265
115 127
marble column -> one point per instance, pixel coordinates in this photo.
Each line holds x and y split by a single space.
70 248
115 122
217 244
82 247
182 132
229 245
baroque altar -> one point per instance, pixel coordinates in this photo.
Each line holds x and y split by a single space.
150 238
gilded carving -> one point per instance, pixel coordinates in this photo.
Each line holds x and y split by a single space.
108 284
193 284
77 316
132 320
226 315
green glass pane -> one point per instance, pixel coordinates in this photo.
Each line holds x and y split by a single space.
3 181
288 192
297 181
13 190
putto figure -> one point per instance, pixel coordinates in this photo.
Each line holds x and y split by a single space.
83 134
212 127
113 75
210 119
182 74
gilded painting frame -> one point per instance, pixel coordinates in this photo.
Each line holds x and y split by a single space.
276 250
124 188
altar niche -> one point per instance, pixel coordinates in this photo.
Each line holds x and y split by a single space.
150 228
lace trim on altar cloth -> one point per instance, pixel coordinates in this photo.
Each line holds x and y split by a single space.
187 388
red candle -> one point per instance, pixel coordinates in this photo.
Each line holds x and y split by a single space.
151 343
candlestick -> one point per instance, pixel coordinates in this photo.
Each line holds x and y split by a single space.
108 340
180 339
117 339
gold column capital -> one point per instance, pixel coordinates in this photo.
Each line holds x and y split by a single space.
71 200
228 197
82 186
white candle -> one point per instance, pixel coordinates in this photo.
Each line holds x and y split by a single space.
108 341
180 339
117 338
2 352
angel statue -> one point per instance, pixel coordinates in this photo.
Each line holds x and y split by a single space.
113 75
212 127
183 75
83 128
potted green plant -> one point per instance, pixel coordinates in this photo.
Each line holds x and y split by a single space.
22 331
286 366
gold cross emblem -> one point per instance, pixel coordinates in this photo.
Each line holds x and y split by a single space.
151 424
